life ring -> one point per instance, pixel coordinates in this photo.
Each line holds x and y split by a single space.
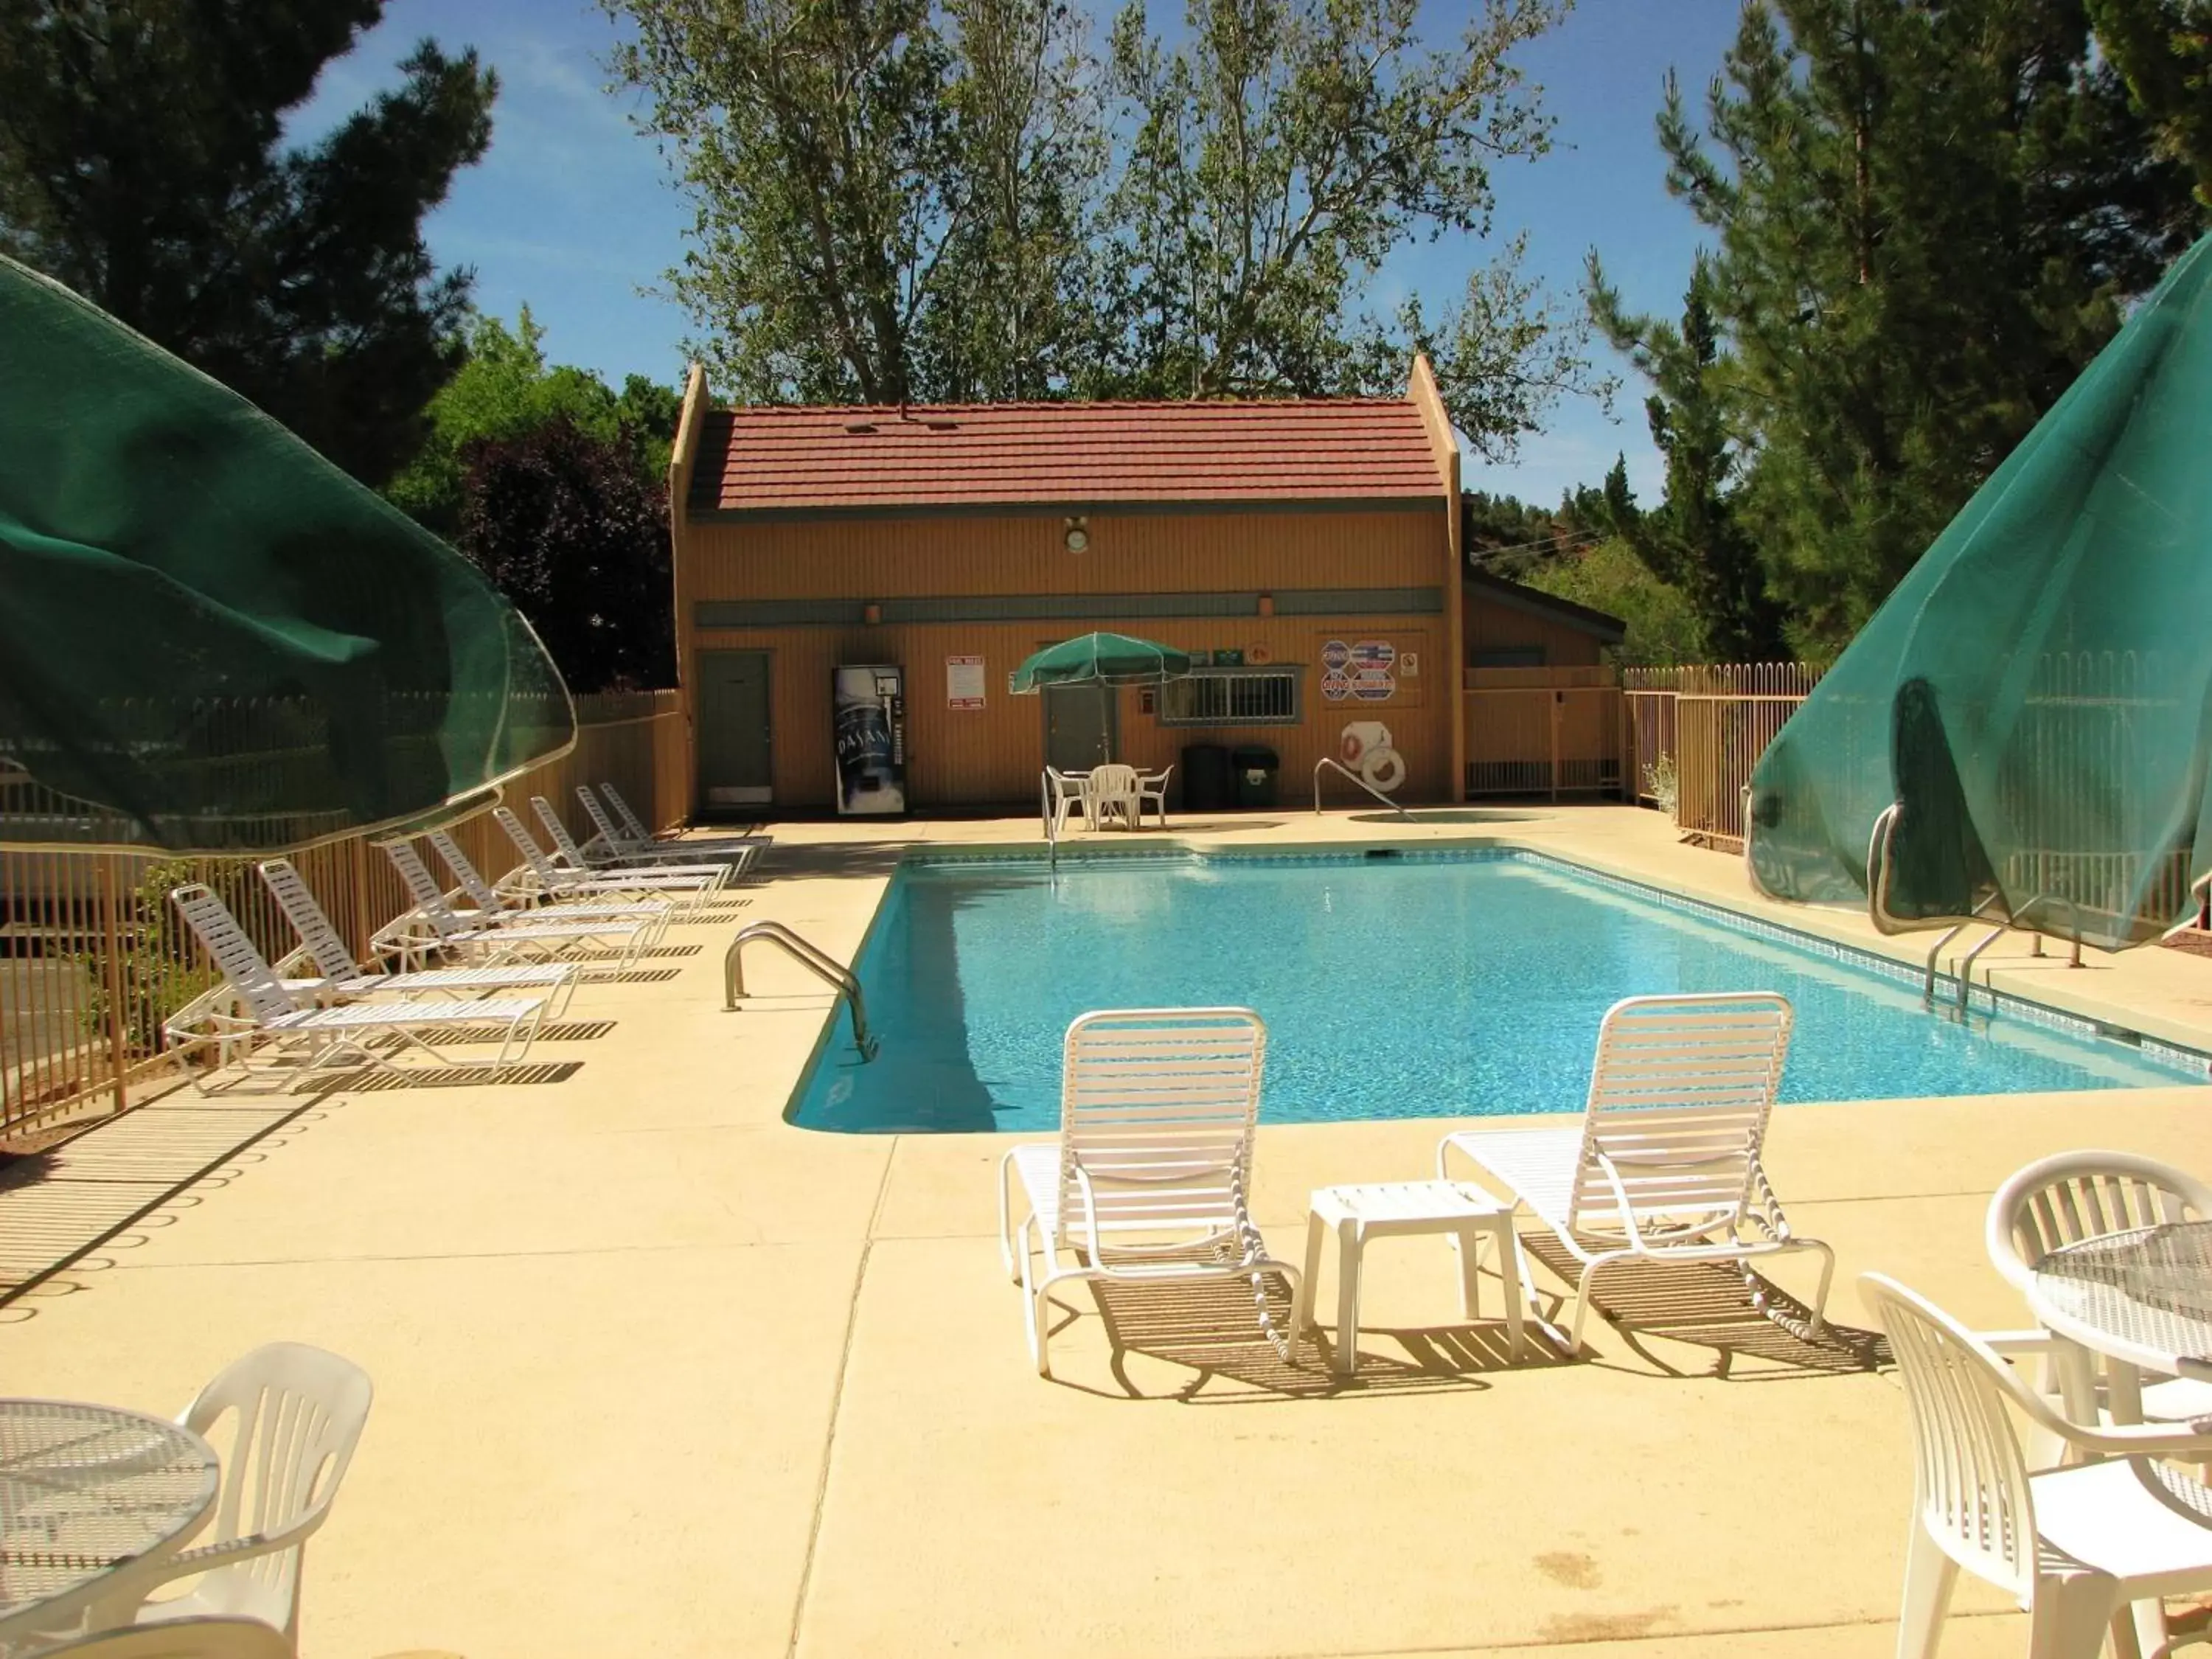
1384 768
1351 749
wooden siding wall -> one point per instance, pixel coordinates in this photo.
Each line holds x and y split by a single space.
1492 626
993 756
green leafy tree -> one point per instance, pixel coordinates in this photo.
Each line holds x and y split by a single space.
1609 576
1927 215
1694 542
2163 49
505 390
142 164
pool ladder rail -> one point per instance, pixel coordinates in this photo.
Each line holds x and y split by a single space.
1330 761
817 961
1962 969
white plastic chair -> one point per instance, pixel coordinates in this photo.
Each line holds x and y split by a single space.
738 852
656 865
298 1414
1112 790
2072 1196
690 888
434 925
1148 1179
180 1639
1153 790
1063 790
2075 1545
1666 1165
343 977
322 1035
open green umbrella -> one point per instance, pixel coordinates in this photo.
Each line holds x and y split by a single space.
1100 659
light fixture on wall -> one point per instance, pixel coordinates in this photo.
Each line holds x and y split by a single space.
1077 534
872 614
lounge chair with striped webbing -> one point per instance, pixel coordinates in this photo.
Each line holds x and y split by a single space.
1665 1166
344 1032
542 936
341 978
1148 1181
539 876
611 844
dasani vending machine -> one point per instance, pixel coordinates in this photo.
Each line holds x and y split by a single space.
868 704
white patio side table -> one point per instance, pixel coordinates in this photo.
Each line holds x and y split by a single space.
1458 1209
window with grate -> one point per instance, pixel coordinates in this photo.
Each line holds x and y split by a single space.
1232 696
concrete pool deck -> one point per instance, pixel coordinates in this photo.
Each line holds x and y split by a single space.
658 1373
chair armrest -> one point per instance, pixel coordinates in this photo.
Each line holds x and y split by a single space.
208 1556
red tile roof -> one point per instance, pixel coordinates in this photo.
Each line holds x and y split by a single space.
1073 455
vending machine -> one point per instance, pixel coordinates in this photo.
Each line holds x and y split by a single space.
868 703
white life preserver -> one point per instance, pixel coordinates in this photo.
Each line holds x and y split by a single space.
1384 768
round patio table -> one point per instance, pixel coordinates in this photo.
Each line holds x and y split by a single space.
86 1493
2142 1298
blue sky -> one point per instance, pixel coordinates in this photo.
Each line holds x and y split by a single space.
574 213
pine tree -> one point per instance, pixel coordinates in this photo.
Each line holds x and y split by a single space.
2164 48
1694 541
141 164
1928 214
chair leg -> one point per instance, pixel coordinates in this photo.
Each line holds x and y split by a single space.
1349 1244
2070 1615
1929 1577
1302 1318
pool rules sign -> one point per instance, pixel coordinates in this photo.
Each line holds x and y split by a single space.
964 682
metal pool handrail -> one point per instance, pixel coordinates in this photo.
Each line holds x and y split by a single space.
1331 761
808 955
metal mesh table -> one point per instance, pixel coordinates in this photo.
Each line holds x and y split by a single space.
86 1492
2143 1297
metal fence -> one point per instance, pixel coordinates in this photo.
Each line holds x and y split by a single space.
1694 733
93 959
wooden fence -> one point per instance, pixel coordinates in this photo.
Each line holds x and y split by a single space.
91 958
1548 732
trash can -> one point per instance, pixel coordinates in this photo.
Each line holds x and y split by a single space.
1207 786
1258 774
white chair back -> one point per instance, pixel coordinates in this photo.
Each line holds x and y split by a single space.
298 1413
1157 1107
309 920
1970 1479
466 872
563 842
180 1639
1113 780
614 837
1680 1095
429 898
2070 1196
532 853
242 965
638 832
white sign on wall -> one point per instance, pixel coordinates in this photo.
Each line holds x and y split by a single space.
964 682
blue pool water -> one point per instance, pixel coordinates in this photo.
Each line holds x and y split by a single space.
1412 987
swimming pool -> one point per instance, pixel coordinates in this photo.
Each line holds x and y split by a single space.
1417 985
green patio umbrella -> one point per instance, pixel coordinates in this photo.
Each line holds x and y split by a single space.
1100 659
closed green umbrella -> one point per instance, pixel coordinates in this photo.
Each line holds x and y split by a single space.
1100 659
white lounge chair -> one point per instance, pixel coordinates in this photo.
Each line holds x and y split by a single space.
322 1034
546 935
1666 1163
570 856
2072 1196
642 836
343 978
491 906
615 842
298 1413
2073 1546
539 874
1147 1181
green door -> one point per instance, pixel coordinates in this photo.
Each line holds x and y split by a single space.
735 767
1079 725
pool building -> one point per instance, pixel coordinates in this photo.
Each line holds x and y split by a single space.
1307 554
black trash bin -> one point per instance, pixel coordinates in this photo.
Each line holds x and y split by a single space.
1207 786
1259 772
